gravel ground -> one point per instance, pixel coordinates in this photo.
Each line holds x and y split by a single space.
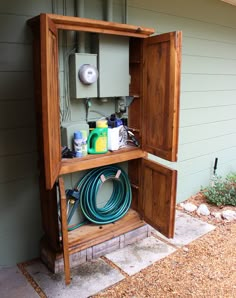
204 268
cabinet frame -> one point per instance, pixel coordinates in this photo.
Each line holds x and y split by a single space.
145 175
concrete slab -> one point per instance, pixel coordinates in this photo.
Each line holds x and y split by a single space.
88 279
187 229
93 277
13 284
140 255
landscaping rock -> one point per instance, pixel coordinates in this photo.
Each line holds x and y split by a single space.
229 215
217 215
203 210
188 207
185 249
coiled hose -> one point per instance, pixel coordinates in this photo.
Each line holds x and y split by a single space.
119 202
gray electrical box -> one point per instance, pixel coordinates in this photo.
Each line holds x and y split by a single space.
68 129
113 65
77 88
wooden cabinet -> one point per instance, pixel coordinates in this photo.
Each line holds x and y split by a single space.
153 115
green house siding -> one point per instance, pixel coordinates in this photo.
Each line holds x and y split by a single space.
20 224
208 84
207 116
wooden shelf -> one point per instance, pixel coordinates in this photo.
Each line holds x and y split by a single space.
91 234
97 160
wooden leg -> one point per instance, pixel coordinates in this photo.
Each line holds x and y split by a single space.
64 230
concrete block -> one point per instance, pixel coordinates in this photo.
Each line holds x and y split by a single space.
122 241
75 259
78 258
136 235
106 247
89 253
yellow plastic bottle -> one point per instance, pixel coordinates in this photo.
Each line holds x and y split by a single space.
98 138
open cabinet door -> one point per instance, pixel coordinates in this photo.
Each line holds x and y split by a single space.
161 91
158 197
50 100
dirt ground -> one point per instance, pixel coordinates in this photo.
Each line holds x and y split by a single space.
204 268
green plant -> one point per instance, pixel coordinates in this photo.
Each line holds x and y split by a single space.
221 191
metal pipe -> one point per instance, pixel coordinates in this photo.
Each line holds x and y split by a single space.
126 12
80 8
80 36
109 10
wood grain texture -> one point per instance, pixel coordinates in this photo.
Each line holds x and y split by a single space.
135 87
49 215
161 89
64 230
98 160
97 26
158 196
50 100
134 171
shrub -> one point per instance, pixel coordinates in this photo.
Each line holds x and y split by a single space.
221 191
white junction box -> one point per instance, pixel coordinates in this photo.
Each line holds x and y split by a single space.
77 88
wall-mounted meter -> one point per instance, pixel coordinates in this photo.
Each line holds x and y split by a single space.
88 74
83 75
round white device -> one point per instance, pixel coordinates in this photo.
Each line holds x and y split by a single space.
88 74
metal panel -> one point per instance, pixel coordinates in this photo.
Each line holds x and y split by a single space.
113 64
77 88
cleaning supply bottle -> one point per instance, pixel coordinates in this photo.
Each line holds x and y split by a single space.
84 142
115 133
98 138
78 139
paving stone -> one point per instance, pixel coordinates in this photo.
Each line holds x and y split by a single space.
13 284
87 279
138 256
187 229
92 277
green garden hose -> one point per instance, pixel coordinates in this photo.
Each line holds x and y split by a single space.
119 202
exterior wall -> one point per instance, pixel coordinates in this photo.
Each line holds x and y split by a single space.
20 223
208 106
208 92
20 226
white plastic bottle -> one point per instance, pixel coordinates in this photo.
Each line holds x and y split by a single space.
78 142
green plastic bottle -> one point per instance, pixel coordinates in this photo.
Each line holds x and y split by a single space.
98 138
